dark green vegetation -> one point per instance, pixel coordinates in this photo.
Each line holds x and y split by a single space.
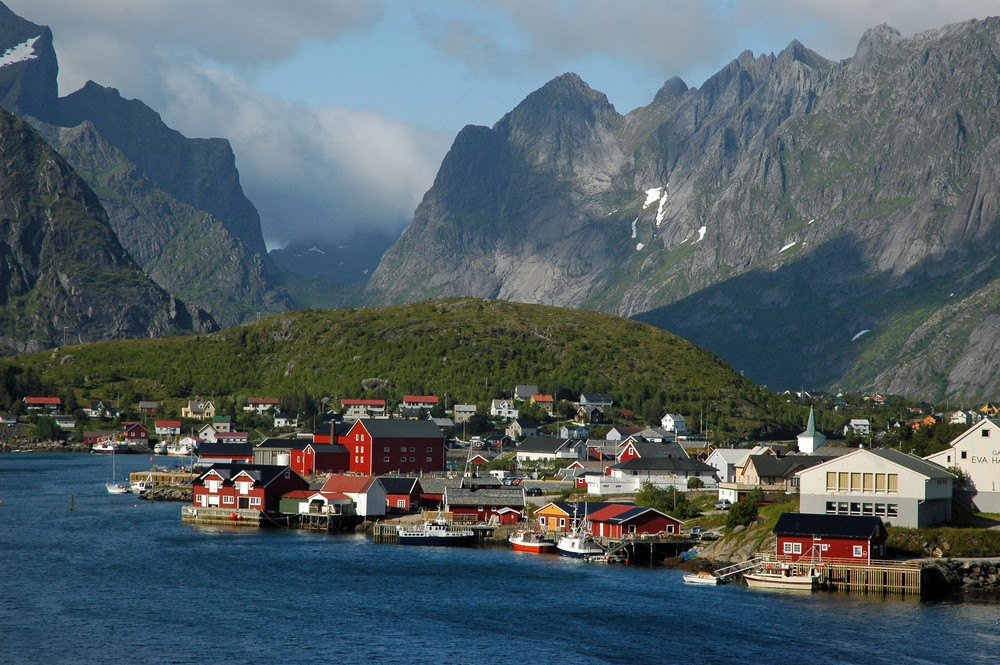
472 350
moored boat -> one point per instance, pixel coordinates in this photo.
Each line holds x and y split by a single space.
783 576
436 532
160 448
108 445
113 486
704 577
578 545
530 541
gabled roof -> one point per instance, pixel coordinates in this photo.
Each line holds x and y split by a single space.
420 399
285 444
401 429
912 462
542 398
362 402
42 400
261 474
829 526
438 485
399 485
622 513
732 455
349 484
167 423
771 466
544 444
645 448
222 449
664 464
491 496
526 423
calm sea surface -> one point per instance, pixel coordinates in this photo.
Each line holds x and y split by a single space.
121 580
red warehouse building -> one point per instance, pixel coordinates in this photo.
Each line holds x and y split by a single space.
246 486
818 537
304 455
380 447
620 520
504 505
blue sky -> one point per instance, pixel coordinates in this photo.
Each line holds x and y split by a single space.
340 111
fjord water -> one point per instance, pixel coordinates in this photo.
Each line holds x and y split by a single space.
118 579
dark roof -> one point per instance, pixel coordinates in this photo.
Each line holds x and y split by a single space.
493 496
525 423
665 463
281 444
223 449
438 485
262 474
830 526
395 428
770 466
656 449
542 444
399 485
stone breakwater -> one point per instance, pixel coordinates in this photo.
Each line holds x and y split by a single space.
971 576
176 494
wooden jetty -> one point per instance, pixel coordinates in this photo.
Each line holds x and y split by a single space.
163 477
386 532
904 578
227 516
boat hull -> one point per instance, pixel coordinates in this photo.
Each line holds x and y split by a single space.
709 580
525 541
765 580
578 548
462 540
115 488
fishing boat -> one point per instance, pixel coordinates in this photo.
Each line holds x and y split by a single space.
436 532
778 575
160 448
108 445
704 577
113 486
530 541
577 542
182 447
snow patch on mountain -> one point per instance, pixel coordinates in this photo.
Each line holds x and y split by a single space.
652 195
859 335
20 53
788 246
701 233
633 227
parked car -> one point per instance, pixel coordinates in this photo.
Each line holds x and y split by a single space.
697 532
724 504
534 491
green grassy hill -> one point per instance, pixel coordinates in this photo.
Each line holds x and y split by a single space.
473 350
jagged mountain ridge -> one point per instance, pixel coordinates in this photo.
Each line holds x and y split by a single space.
175 203
771 215
63 274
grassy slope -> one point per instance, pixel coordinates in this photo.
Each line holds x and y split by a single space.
471 349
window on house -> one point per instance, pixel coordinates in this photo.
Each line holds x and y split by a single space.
430 449
787 549
963 454
430 459
362 437
562 521
402 459
892 485
413 459
796 548
831 481
867 509
385 459
831 507
855 508
413 449
892 510
401 503
986 433
859 550
880 483
842 478
869 482
855 482
880 509
386 449
227 499
842 508
255 501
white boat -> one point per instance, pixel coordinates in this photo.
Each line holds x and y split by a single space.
113 486
436 532
144 485
108 445
160 448
783 576
181 448
577 542
703 577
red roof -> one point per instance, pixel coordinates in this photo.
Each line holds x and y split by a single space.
420 399
45 400
168 423
542 398
348 484
305 494
608 512
363 402
263 400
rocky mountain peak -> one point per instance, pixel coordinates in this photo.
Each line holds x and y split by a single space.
671 91
28 66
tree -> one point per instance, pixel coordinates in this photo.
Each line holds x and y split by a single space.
743 513
47 430
666 500
695 483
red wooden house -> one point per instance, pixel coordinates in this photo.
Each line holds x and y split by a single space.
135 434
379 447
620 520
822 537
504 505
402 495
246 486
305 456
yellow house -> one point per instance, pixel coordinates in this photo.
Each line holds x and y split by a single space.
559 517
198 409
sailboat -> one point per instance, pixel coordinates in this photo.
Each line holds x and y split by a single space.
113 486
